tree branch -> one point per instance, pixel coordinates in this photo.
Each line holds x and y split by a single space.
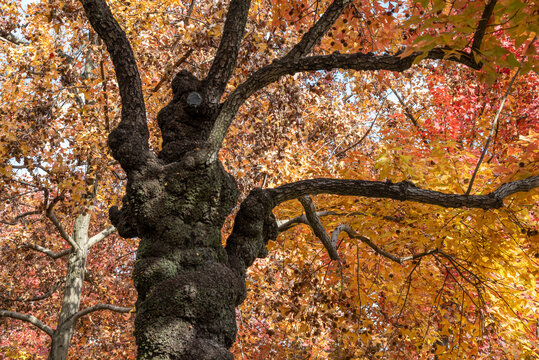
482 26
318 228
407 110
9 37
48 252
101 236
224 62
35 298
28 318
366 133
129 141
98 307
52 217
170 69
17 218
403 191
318 30
378 250
491 134
279 68
284 225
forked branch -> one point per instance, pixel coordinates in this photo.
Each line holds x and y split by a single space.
354 235
129 141
318 228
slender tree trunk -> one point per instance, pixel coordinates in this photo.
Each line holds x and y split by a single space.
74 280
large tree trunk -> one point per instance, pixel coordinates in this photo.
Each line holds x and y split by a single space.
187 292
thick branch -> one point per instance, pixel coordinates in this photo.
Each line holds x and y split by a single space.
404 191
48 252
128 142
98 307
101 236
28 318
225 59
318 228
482 26
378 250
318 30
279 68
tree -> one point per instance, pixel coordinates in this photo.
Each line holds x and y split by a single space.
178 198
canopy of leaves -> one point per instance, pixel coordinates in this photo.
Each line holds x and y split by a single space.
475 296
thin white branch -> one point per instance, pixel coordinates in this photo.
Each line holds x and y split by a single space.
99 307
47 251
101 236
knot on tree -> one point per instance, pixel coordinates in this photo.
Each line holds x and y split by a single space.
184 83
124 220
186 121
254 226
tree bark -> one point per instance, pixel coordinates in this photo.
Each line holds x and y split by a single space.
76 267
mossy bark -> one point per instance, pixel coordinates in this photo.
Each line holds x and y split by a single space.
188 284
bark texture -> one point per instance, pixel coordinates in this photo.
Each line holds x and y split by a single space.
187 292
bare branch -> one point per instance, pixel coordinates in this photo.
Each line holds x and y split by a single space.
170 69
224 62
129 141
28 318
284 225
364 135
35 298
492 130
98 307
19 217
101 236
52 217
403 191
9 37
376 249
190 11
407 110
48 252
318 228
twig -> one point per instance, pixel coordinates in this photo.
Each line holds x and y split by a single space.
378 250
492 130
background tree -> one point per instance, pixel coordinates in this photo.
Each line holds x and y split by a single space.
432 147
